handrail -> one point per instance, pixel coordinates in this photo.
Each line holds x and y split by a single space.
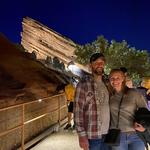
23 122
26 103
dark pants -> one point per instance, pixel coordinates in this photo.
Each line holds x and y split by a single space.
70 107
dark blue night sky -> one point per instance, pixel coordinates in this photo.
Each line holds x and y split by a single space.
82 20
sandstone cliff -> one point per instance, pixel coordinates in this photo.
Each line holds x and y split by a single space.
23 79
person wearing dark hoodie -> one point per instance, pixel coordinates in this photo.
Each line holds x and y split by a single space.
142 125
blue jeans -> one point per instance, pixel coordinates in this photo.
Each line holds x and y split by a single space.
129 141
97 144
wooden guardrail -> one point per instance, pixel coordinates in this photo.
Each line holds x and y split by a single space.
20 123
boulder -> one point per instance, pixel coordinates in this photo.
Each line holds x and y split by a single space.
24 79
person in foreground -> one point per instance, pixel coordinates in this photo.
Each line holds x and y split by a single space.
91 107
131 100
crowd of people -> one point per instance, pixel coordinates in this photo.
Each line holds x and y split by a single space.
101 104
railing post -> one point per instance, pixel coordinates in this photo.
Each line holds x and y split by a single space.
59 110
22 140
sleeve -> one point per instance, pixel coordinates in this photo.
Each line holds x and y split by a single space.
79 104
141 102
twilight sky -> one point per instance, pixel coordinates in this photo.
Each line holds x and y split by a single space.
82 20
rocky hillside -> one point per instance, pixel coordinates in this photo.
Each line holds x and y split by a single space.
23 79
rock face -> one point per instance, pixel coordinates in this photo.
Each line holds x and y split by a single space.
23 79
45 42
42 40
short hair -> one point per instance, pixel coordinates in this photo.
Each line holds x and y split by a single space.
95 56
123 69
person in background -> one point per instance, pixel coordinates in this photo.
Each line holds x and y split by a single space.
91 107
148 94
142 125
69 91
128 81
143 91
148 98
130 100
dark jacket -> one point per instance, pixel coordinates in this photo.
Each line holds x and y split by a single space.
142 116
145 136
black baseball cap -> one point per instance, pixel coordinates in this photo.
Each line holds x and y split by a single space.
95 56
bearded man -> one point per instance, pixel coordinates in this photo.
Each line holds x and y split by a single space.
91 107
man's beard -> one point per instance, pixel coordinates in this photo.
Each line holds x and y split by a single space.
98 72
